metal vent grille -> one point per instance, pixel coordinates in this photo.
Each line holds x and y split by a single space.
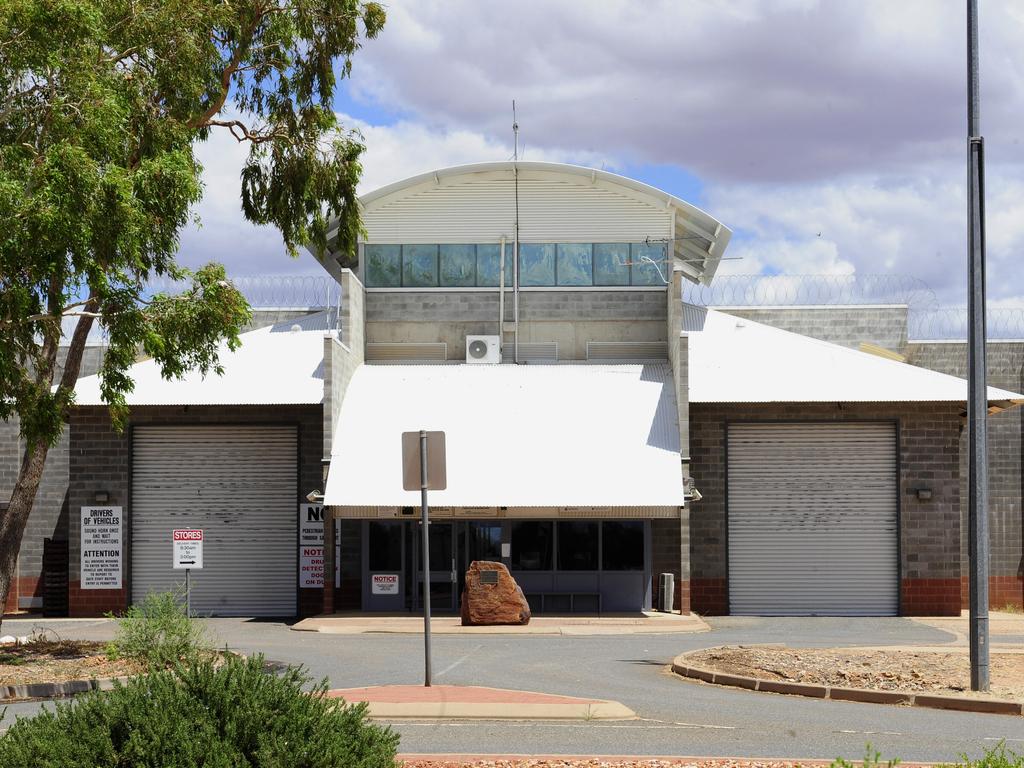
386 351
627 350
531 352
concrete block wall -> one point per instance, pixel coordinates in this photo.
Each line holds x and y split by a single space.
100 460
929 530
1005 369
848 326
569 318
342 356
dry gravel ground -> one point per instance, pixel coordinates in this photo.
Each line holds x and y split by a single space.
886 670
56 661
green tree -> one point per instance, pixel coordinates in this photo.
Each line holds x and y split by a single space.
103 103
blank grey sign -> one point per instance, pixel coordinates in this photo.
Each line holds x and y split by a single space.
437 476
488 577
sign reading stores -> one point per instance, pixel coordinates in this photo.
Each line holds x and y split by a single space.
101 547
385 584
188 548
311 548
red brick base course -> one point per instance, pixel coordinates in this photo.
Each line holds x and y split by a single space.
709 597
930 597
84 603
1002 591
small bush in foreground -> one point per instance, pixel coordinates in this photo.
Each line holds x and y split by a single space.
997 757
233 714
157 632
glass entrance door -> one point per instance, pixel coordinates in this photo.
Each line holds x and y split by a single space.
444 593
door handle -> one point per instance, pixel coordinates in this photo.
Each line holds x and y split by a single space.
455 578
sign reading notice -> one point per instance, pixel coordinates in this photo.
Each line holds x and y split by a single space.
101 547
188 548
311 548
385 584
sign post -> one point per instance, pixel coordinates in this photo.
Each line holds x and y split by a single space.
188 554
423 468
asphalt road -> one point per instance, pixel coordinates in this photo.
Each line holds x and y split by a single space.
677 717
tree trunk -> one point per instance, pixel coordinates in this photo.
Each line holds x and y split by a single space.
14 520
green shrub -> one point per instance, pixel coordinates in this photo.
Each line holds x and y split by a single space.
233 714
157 632
872 759
997 757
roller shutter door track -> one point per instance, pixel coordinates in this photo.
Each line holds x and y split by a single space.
813 519
237 483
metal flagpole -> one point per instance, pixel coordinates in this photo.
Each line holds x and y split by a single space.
426 558
977 405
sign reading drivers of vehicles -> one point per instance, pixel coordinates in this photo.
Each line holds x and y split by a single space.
385 583
188 548
311 548
101 547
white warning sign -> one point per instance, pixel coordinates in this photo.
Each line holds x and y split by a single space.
101 547
311 548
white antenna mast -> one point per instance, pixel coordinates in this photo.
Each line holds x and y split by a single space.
515 246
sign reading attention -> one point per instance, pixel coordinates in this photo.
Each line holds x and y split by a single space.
311 548
101 547
188 548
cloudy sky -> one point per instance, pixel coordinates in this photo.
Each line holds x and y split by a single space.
829 134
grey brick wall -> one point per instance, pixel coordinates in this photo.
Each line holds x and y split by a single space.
569 318
1005 361
101 458
848 326
929 456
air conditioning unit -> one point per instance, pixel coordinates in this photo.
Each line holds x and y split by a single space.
483 349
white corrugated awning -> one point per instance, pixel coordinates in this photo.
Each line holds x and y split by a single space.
516 436
735 360
280 364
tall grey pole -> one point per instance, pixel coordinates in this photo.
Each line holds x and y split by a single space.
977 406
426 558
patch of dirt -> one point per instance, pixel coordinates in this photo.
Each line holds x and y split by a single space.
56 661
885 670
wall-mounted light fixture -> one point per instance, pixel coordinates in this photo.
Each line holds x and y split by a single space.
101 497
923 494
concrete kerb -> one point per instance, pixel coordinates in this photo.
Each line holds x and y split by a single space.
447 625
62 690
682 667
447 702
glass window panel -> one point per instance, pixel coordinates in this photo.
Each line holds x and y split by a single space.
419 266
536 264
488 264
611 263
440 547
575 264
484 541
385 546
644 272
622 546
383 267
532 545
577 546
458 265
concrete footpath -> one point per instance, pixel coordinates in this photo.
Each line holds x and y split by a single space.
606 624
389 702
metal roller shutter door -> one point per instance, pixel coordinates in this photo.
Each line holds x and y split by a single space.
813 522
237 483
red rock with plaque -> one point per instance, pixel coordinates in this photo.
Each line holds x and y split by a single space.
492 596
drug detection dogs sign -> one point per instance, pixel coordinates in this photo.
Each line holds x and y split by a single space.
188 548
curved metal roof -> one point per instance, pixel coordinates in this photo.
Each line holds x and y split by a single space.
700 239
